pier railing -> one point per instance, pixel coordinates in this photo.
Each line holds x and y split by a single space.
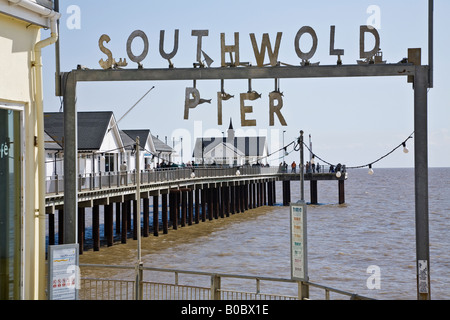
103 180
193 285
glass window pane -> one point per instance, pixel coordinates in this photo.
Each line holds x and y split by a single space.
10 204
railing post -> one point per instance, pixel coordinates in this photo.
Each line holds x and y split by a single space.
327 294
139 285
303 290
56 185
215 287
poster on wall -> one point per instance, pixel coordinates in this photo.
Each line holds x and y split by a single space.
64 275
299 261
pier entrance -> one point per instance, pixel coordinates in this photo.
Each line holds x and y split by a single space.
417 74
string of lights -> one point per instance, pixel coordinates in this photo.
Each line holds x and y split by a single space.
296 147
370 164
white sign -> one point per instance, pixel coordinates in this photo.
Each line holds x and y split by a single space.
63 272
423 276
299 253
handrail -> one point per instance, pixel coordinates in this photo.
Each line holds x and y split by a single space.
105 180
218 289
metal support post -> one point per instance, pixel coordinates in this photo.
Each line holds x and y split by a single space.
302 186
139 284
70 160
421 182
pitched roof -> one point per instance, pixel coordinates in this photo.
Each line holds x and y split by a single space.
50 143
133 134
161 146
92 128
128 142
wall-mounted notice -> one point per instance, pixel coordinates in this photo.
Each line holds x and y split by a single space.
299 261
63 272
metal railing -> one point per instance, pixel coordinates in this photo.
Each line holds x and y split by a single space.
104 180
239 288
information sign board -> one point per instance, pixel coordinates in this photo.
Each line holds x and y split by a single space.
63 272
299 261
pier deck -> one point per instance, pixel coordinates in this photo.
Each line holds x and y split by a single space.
183 195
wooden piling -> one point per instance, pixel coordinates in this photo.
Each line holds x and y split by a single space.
210 203
238 198
269 194
242 200
183 208
255 195
216 202
174 209
61 226
155 215
226 194
51 229
341 191
118 205
313 191
146 216
233 199
258 194
109 225
204 197
197 206
190 209
274 192
136 222
286 192
128 204
221 192
81 229
96 227
264 190
124 230
164 213
250 196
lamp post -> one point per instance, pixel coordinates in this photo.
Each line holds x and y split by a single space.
138 289
284 151
302 187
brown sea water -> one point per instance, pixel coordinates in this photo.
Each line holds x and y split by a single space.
375 227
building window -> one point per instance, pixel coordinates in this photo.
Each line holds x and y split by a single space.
10 203
110 162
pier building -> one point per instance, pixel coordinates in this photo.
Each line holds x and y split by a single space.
231 150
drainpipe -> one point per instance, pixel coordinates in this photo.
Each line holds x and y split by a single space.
40 237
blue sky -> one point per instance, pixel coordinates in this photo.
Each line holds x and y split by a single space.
352 121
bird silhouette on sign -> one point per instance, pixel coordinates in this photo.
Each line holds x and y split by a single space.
253 95
226 96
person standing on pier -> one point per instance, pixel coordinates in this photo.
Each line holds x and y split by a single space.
123 174
293 166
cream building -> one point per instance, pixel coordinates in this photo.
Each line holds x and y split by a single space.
22 157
